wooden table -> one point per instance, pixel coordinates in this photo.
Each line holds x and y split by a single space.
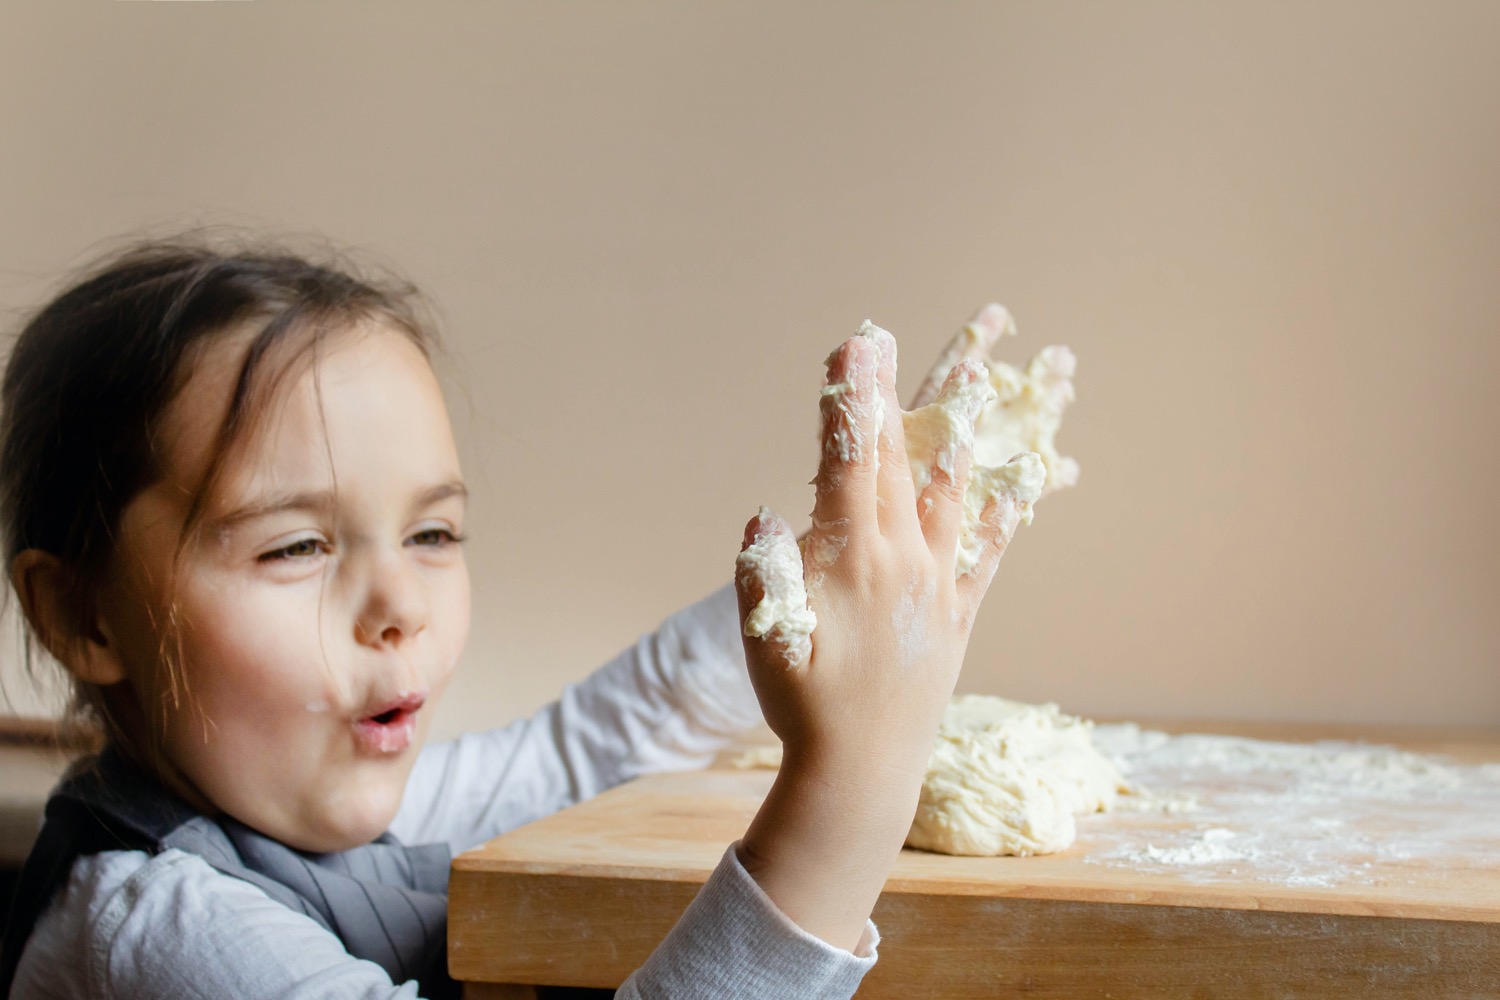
1403 901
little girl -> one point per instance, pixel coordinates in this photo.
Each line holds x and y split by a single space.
233 511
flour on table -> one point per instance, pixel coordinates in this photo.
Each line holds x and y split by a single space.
1004 778
1213 844
1295 814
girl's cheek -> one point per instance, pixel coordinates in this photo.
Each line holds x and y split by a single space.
446 669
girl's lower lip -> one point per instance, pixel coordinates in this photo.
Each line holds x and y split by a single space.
382 738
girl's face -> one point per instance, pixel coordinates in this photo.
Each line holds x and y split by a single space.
326 601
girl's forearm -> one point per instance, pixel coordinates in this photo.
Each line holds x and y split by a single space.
827 835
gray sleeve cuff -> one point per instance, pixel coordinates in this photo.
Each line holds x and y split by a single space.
733 941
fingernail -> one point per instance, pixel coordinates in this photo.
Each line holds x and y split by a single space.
766 522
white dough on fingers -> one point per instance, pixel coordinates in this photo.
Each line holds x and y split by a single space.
1007 420
782 616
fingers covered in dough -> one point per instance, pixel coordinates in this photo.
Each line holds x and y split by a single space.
972 342
775 621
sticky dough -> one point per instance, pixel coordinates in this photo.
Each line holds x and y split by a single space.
1009 778
1004 777
1027 409
782 616
1015 460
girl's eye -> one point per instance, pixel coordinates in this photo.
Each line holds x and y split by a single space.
435 537
302 548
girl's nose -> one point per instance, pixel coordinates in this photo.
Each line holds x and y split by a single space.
395 605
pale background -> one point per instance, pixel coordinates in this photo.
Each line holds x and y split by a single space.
1271 232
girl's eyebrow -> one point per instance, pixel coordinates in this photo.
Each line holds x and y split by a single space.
439 493
323 502
311 502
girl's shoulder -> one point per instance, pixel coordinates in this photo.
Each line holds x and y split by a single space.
129 924
103 911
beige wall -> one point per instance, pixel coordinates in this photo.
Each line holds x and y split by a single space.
1271 232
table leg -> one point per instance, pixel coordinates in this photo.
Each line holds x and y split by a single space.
498 991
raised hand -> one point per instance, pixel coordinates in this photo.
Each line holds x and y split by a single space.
857 699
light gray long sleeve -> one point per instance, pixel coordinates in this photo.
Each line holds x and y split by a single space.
667 703
732 942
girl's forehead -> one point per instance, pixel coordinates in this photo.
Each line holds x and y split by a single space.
304 391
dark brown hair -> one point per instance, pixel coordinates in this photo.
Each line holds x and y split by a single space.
93 372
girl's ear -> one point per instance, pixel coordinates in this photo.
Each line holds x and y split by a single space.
49 597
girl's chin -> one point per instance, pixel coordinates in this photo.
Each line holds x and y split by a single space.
349 821
342 837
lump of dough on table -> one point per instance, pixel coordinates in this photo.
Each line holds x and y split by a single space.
1009 778
1004 777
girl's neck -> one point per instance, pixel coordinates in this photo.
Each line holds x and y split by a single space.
131 736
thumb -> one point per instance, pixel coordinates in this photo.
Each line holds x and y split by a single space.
775 620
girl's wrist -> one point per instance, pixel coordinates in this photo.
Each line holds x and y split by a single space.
862 766
857 805
824 841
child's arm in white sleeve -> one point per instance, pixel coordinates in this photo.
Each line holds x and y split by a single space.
668 702
734 942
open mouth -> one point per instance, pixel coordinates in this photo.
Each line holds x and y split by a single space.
391 727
